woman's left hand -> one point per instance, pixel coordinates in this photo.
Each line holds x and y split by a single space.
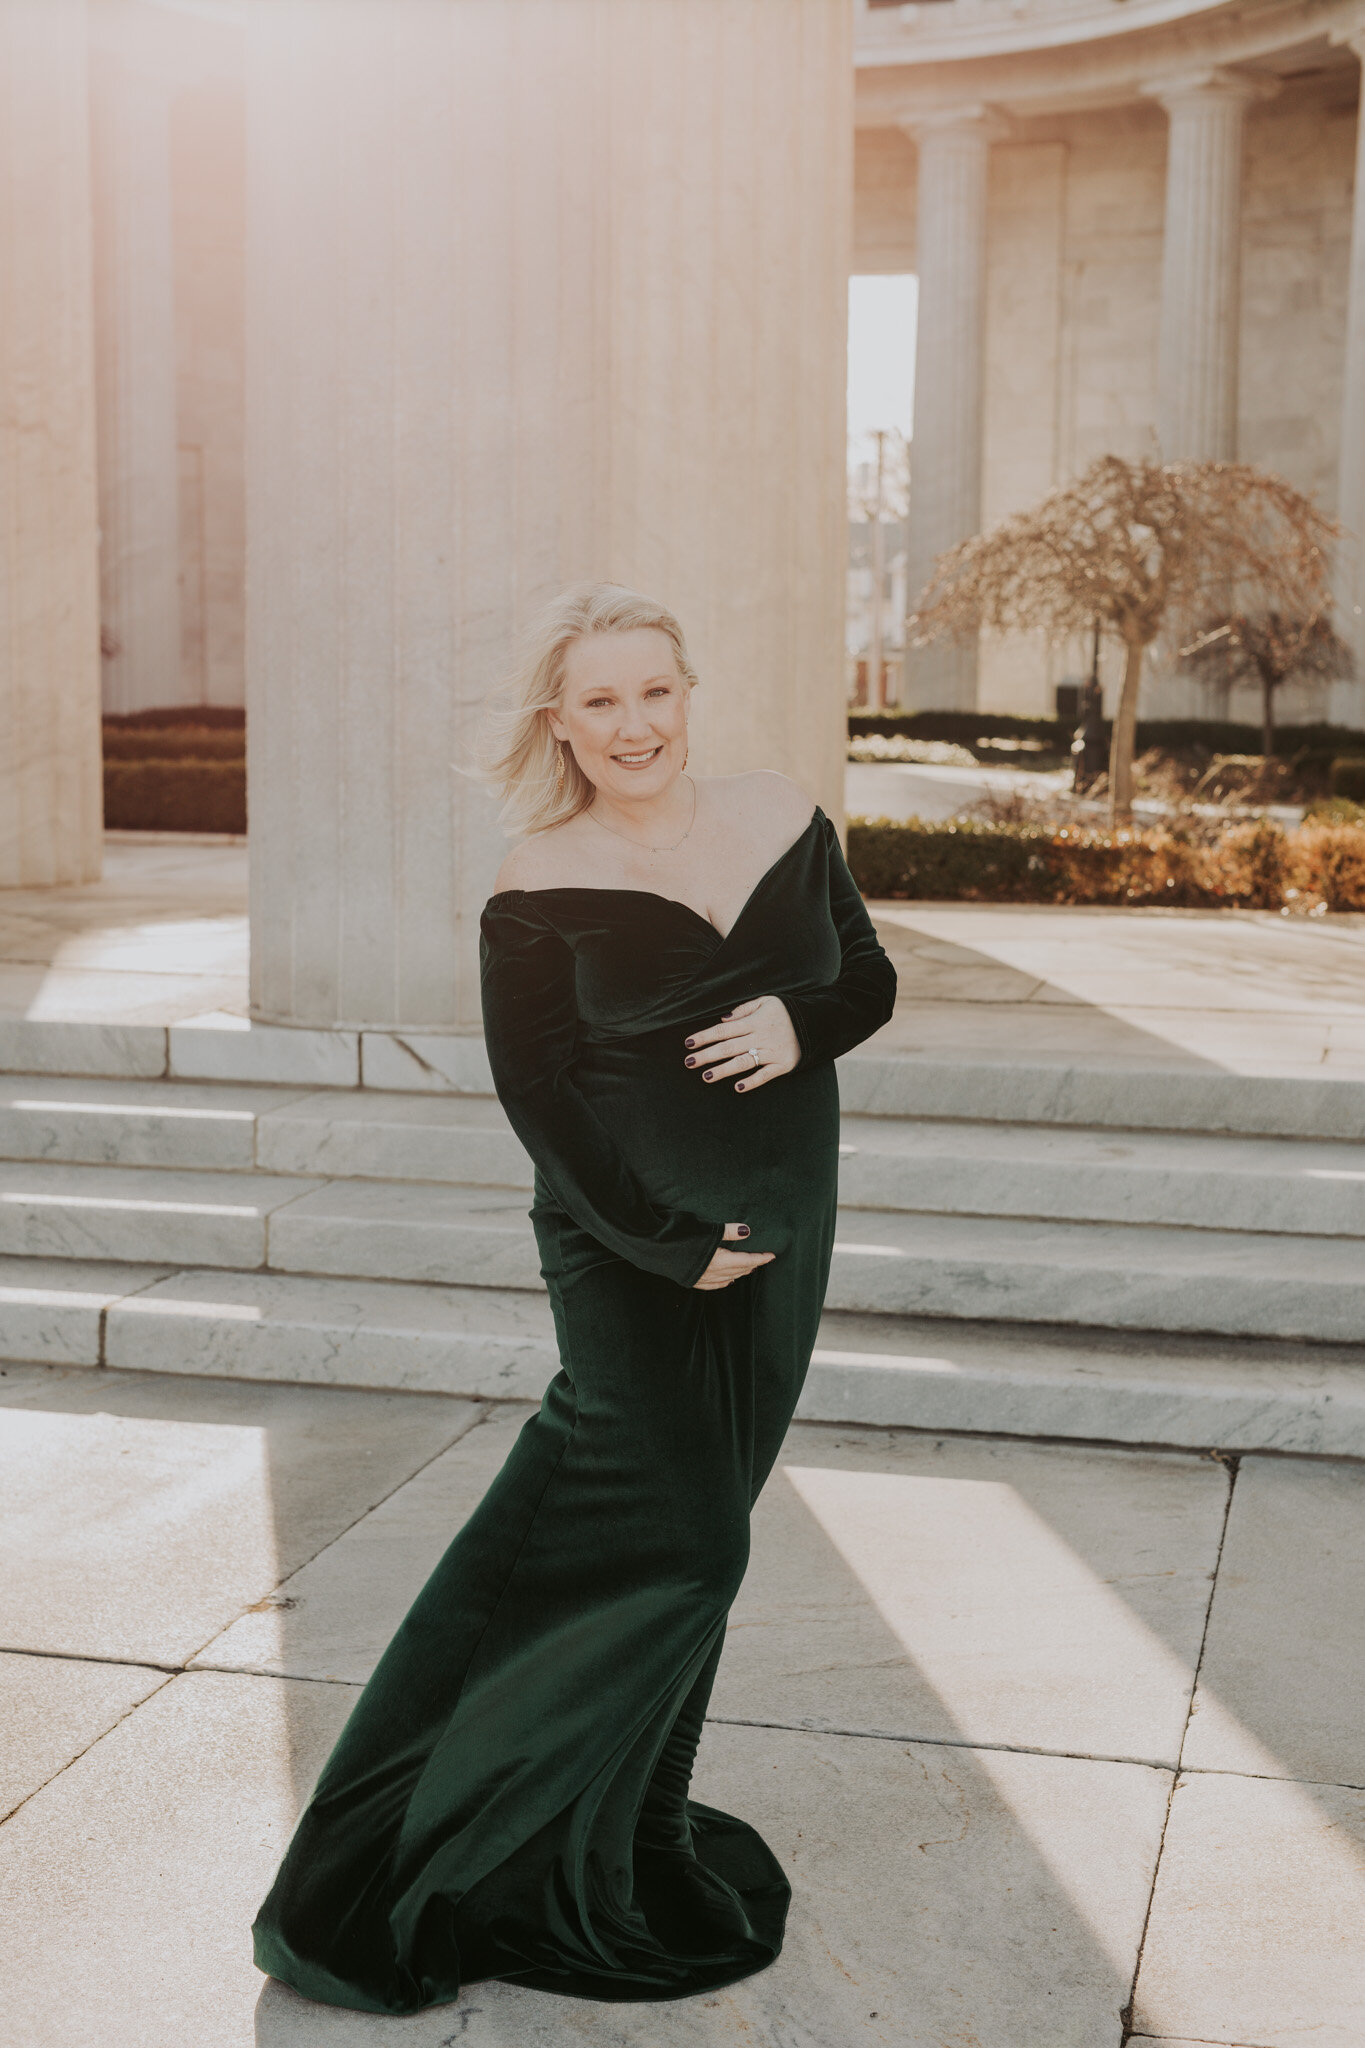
755 1041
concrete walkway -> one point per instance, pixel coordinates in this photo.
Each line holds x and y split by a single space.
162 939
1045 1735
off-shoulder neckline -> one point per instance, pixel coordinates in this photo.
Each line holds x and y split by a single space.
652 895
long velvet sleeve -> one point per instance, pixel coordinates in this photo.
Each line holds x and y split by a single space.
830 1020
530 1023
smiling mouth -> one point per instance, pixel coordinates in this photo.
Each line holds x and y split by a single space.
638 760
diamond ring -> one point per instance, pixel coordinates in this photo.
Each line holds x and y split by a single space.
753 1055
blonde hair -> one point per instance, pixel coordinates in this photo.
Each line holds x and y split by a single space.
518 753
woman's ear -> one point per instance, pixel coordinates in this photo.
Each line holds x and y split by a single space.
555 723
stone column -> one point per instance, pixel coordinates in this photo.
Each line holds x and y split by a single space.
50 804
946 451
1201 263
538 290
1348 699
135 355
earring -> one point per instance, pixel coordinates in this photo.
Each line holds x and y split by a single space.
559 764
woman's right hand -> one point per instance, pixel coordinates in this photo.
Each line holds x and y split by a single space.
726 1266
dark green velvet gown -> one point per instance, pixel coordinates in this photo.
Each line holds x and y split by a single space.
509 1796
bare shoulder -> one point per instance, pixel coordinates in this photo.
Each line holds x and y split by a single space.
536 862
777 804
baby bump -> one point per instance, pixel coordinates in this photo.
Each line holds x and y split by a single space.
769 1159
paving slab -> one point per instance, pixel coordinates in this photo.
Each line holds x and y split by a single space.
935 1901
334 1617
1107 1275
52 1709
1222 1182
407 1230
132 1123
1283 1674
1120 1387
43 1045
139 1213
386 1136
496 1343
129 1883
139 1516
1029 1595
52 1310
1257 1929
218 1046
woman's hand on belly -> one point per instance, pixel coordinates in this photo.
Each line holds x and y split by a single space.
726 1266
756 1041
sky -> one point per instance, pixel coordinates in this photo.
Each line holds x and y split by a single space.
881 356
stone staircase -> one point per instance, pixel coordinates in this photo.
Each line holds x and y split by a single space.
1138 1254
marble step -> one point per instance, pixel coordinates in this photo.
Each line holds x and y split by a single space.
1117 1275
1156 1091
325 1133
925 1165
150 1215
878 1370
136 1123
1295 1186
1152 1094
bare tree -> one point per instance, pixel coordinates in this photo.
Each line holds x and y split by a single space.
1267 648
1139 546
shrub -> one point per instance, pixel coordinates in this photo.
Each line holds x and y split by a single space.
175 796
174 743
1257 866
1348 779
1184 738
227 716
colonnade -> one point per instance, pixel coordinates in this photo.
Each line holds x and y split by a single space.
1197 369
538 290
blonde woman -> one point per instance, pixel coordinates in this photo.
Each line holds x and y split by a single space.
671 963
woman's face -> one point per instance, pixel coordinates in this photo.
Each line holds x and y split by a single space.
623 711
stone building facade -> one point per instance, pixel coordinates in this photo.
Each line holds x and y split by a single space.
1139 226
341 332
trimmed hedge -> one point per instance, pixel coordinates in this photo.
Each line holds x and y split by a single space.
228 717
1182 737
175 796
1348 779
1258 866
174 743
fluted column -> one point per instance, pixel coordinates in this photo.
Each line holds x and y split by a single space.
1349 697
135 356
1201 263
537 290
946 451
50 805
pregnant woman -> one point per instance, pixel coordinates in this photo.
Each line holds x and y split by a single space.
671 964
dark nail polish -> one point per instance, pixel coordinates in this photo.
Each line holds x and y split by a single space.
689 1041
690 1062
739 1087
707 1075
742 1230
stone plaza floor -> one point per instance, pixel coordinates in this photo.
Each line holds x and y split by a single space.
1043 1734
1061 1744
162 939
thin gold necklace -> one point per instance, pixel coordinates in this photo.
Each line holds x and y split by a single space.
641 844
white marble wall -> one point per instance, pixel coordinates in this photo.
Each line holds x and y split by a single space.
537 290
50 801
